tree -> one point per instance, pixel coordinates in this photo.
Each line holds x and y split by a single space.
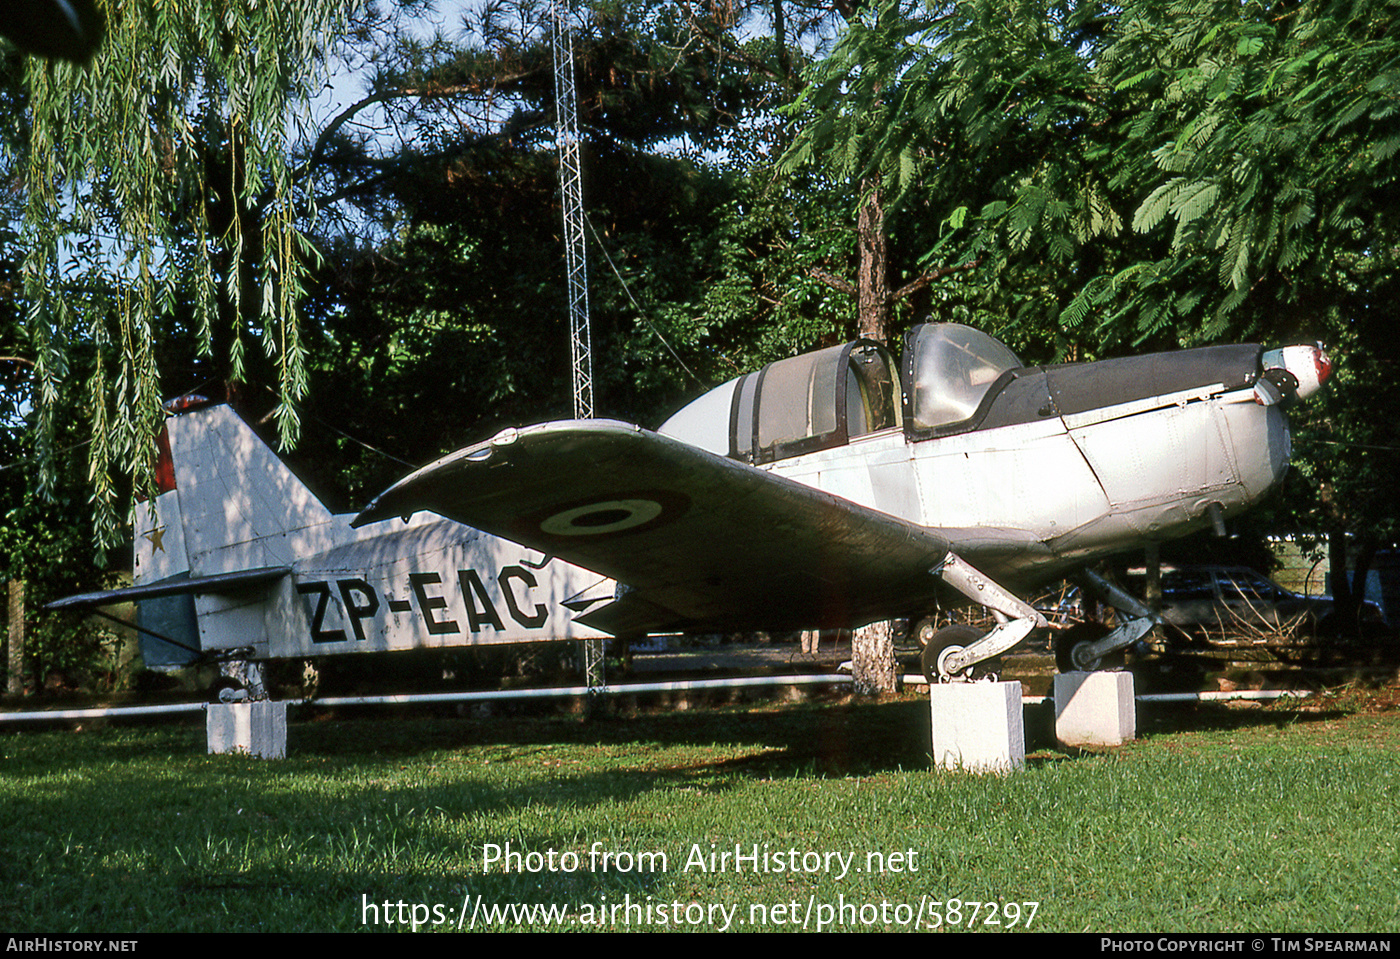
444 286
962 115
161 173
1274 166
44 540
1168 173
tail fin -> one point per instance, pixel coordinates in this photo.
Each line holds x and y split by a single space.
226 504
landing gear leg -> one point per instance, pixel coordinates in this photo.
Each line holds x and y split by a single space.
956 656
1086 647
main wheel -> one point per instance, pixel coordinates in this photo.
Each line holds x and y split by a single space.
941 645
1072 649
226 689
925 629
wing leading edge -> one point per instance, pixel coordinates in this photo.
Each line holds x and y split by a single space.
695 540
216 584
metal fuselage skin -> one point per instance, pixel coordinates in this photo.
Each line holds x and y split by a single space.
428 583
1083 486
1044 470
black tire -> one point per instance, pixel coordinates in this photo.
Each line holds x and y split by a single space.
1081 634
947 638
221 684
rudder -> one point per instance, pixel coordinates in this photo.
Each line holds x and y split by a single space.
226 503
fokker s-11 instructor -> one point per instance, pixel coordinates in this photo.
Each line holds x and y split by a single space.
826 490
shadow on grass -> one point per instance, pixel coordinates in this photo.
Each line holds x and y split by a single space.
839 737
832 739
1171 718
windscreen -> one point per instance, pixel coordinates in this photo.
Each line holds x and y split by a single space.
954 366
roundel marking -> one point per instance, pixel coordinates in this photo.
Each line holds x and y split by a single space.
618 515
607 516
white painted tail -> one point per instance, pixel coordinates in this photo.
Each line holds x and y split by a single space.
226 504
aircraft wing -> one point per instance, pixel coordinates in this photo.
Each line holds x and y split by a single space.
695 540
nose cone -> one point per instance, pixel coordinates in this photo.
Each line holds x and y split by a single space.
1292 372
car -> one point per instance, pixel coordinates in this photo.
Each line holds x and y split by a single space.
1218 602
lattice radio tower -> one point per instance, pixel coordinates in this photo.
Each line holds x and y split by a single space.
576 261
571 183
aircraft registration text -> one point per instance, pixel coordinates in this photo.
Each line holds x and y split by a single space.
349 608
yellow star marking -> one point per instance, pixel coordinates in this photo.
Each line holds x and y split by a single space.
157 538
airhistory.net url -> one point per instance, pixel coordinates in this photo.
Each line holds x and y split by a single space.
475 913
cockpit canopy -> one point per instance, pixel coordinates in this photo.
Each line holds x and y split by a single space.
826 398
952 367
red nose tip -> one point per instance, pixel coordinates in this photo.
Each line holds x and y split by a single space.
1310 364
1324 363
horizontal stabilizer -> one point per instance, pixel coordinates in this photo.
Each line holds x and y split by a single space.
631 615
218 584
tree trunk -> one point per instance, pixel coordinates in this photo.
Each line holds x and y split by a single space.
872 647
15 687
872 276
872 659
1349 586
780 39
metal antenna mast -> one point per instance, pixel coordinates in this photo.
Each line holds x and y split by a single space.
571 183
576 260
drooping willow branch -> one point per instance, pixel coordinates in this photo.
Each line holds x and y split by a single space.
162 174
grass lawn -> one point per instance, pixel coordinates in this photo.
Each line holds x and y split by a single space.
1273 818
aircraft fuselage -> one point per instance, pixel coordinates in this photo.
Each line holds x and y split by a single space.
1081 486
827 489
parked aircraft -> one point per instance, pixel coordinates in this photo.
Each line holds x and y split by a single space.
825 490
829 490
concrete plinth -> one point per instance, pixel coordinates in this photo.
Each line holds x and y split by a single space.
1095 709
254 728
978 727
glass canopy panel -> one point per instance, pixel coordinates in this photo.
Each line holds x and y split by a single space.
954 366
797 398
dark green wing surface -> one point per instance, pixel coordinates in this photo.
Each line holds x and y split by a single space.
695 541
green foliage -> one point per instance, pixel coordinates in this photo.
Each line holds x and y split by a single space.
159 194
45 543
1263 146
1246 148
453 300
969 114
763 294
